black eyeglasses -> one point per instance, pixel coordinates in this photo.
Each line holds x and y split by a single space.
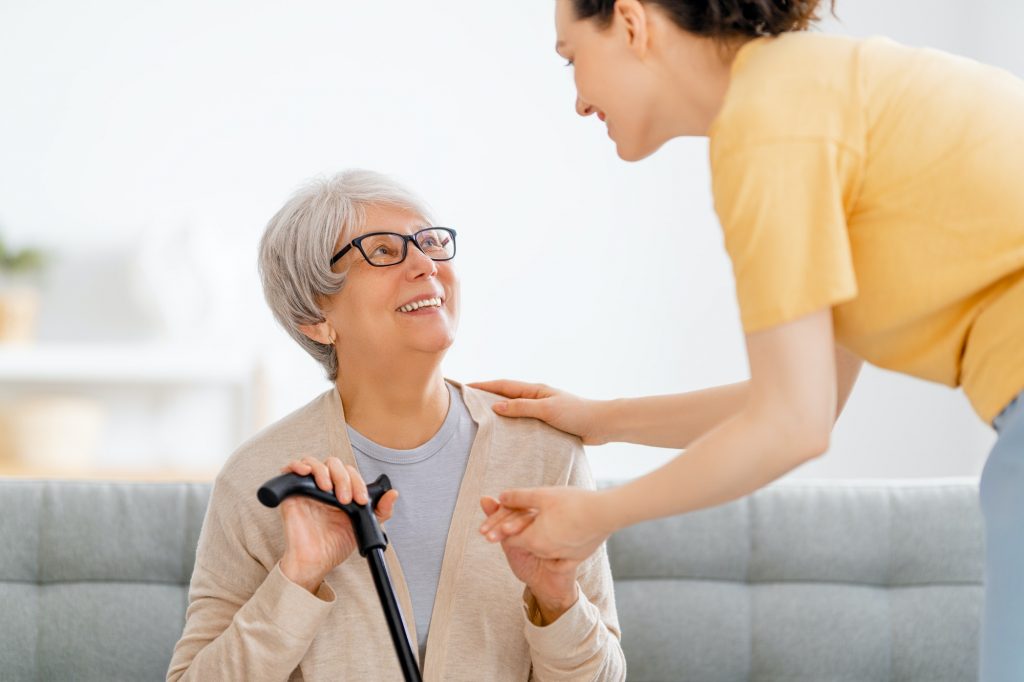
382 249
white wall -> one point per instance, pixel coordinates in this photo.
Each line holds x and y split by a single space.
126 125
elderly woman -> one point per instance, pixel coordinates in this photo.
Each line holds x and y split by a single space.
355 271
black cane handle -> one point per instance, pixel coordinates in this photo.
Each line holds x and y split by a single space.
368 532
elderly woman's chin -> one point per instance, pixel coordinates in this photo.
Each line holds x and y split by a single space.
433 334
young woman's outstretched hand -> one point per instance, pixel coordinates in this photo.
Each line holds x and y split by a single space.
561 410
552 523
551 581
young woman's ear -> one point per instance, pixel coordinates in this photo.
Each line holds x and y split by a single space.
632 16
321 332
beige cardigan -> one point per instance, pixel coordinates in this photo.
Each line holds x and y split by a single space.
246 621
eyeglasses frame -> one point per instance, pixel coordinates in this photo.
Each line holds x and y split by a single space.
406 239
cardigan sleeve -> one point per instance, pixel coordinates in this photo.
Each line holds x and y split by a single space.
243 622
584 643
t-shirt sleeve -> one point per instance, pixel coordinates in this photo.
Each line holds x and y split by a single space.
782 209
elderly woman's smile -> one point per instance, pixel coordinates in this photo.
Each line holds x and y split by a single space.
425 305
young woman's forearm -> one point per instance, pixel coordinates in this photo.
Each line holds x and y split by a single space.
745 452
675 421
671 421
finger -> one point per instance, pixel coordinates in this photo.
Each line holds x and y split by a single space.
522 407
514 524
517 524
522 498
320 474
359 492
296 467
529 541
386 505
513 389
342 484
496 516
489 504
495 520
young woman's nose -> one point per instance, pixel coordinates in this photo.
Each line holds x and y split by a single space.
582 108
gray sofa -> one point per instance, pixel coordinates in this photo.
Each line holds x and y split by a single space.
801 582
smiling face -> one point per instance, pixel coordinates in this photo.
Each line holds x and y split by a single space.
393 312
644 77
610 81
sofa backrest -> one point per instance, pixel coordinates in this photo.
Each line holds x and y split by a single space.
807 582
799 582
94 577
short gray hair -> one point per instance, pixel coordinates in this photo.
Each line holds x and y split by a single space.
297 245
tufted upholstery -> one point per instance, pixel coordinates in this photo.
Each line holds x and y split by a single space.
801 582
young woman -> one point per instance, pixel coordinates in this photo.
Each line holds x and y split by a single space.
354 269
870 199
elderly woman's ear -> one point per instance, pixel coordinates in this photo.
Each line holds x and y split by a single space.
321 332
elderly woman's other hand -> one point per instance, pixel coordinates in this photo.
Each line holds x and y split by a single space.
564 411
551 581
319 537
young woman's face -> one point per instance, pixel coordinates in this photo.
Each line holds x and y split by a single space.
610 82
371 313
641 75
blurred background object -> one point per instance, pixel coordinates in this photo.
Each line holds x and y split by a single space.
20 272
145 146
62 431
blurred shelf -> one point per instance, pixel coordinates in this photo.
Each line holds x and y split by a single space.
142 364
14 470
158 399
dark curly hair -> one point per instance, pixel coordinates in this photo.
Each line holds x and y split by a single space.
723 19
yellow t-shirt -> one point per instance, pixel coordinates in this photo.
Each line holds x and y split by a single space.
885 182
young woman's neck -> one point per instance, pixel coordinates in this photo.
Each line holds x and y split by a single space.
699 71
397 405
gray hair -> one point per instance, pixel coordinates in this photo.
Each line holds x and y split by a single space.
297 245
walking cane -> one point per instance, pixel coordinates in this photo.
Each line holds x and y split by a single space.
371 541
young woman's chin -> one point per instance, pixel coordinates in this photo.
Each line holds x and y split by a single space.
632 152
633 149
632 146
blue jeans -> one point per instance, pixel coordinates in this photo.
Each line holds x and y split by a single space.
1002 504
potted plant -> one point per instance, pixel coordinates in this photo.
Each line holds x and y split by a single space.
20 270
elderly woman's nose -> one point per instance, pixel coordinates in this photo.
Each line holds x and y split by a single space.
582 108
420 263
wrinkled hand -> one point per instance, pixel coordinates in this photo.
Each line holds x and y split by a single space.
319 537
551 581
556 523
562 410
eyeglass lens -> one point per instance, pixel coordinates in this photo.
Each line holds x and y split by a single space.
387 249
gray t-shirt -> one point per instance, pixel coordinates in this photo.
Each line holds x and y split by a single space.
427 479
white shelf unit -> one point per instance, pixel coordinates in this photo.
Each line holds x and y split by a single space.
167 407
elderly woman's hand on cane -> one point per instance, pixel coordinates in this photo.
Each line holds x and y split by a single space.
319 537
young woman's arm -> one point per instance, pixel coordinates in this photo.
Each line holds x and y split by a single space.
675 421
785 419
665 421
